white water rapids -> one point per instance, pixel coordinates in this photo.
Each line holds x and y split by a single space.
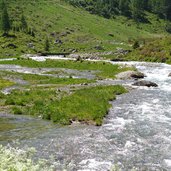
135 134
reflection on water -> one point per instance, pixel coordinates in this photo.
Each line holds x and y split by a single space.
13 127
5 125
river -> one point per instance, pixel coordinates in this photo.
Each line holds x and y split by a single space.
135 134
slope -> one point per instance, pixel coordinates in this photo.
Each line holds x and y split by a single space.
70 29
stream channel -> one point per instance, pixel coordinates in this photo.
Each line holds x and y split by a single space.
136 133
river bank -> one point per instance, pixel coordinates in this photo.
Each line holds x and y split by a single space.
59 90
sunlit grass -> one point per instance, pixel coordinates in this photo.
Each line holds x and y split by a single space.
104 69
88 105
5 83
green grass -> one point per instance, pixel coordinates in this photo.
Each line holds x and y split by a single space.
88 105
156 50
35 79
5 83
83 30
59 72
106 70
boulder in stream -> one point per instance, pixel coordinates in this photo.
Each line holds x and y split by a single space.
145 83
130 75
169 75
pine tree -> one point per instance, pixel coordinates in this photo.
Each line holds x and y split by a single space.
24 25
6 26
124 7
47 45
136 9
2 5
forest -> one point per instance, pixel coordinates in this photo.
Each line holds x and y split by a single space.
131 8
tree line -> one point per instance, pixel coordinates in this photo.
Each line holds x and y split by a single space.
131 8
7 25
7 22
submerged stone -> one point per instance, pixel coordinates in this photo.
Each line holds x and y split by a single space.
145 83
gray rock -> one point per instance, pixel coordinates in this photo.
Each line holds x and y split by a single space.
121 51
145 83
64 34
111 34
30 45
130 75
98 47
169 75
58 41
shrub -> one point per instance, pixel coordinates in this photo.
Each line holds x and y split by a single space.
14 159
17 110
136 45
168 27
10 101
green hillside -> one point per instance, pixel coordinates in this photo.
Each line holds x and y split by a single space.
70 29
157 50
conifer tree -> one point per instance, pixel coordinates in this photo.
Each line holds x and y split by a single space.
47 45
2 5
24 25
136 9
6 26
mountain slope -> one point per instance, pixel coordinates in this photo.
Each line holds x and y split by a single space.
157 50
71 29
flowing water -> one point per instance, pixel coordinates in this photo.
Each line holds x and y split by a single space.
135 134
